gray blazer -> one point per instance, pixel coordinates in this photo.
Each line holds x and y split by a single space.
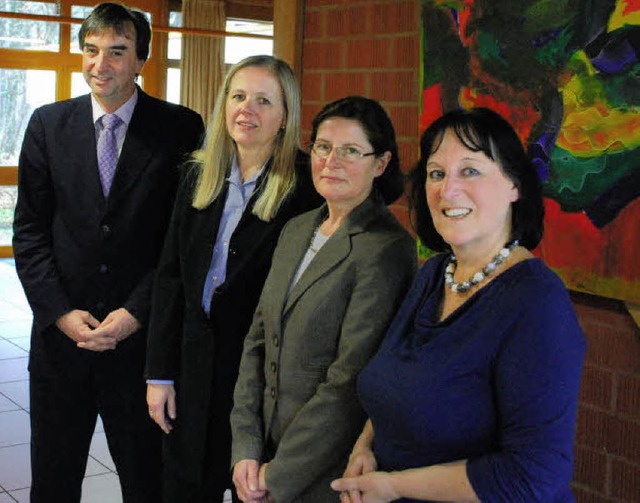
295 402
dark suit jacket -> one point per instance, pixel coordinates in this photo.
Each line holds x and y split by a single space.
74 249
202 354
296 389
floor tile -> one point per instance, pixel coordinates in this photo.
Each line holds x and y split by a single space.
14 428
10 287
22 342
11 291
6 404
14 369
11 312
21 495
15 467
10 350
95 468
14 299
11 329
101 483
100 450
101 489
99 426
17 392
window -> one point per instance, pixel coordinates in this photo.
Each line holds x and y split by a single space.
25 34
8 199
78 12
21 92
41 63
236 48
174 54
36 69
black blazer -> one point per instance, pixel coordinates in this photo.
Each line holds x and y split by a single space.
202 355
74 249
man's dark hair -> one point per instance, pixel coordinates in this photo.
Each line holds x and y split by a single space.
122 20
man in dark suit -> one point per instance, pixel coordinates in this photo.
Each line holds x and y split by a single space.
96 183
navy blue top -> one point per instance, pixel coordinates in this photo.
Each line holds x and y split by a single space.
495 383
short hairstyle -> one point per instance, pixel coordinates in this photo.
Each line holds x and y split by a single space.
217 155
481 130
380 133
122 20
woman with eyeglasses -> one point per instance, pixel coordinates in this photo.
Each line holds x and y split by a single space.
337 277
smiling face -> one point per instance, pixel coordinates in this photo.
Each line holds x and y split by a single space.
254 108
469 198
110 67
342 183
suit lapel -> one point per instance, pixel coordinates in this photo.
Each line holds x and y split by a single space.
289 259
208 224
79 142
137 149
334 251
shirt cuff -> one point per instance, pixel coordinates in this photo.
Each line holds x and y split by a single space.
160 381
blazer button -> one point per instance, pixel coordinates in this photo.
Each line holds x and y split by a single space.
273 392
106 229
273 367
104 268
276 342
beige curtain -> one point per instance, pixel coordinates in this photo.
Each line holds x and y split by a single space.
202 56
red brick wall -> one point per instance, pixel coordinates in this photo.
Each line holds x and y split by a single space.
367 47
371 47
608 432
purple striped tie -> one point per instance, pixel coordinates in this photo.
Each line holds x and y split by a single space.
108 151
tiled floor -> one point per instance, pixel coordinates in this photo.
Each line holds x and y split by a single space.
101 482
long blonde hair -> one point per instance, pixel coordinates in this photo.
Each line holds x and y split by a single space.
215 159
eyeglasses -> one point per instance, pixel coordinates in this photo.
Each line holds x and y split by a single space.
347 154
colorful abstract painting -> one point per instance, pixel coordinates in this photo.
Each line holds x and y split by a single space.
566 74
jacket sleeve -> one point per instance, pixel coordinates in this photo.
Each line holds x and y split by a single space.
32 241
191 133
323 431
168 300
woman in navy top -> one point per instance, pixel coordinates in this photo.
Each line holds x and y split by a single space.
473 393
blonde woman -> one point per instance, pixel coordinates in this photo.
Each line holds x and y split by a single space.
247 182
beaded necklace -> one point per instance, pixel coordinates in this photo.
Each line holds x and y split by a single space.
480 275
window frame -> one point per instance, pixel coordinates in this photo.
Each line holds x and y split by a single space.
287 17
